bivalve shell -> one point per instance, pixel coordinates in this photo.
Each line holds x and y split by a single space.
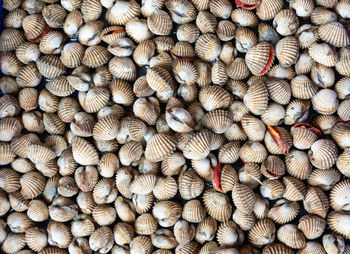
291 236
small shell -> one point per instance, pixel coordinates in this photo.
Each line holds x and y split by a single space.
262 233
342 88
190 185
122 68
304 136
250 175
94 100
10 39
188 33
321 15
95 56
279 91
343 162
34 26
122 12
206 230
333 243
182 11
123 233
323 76
13 243
253 152
208 97
72 23
325 179
198 146
91 10
325 101
84 152
272 189
10 65
338 222
150 6
14 18
160 23
291 236
194 211
246 39
208 47
184 232
206 22
268 9
286 22
167 213
184 72
322 53
343 110
342 66
237 69
106 128
32 184
104 215
338 196
159 146
323 153
143 184
303 8
243 197
141 244
278 140
256 98
312 226
172 164
284 211
54 15
37 211
53 124
298 165
217 204
274 248
101 240
165 188
36 238
228 234
287 51
316 202
50 66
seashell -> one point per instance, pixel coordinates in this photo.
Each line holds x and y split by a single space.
312 226
104 191
184 232
243 197
316 202
338 196
32 184
10 127
278 140
53 124
163 238
37 211
159 23
165 188
138 30
72 54
188 33
297 111
19 222
36 239
102 76
149 7
106 128
54 15
323 153
228 234
59 86
172 164
325 101
104 215
272 189
274 114
287 51
91 10
338 222
343 162
143 184
141 244
22 165
47 101
268 33
304 135
89 34
323 76
237 69
221 8
112 35
279 91
18 202
101 240
123 233
194 211
262 233
268 9
28 98
208 98
277 248
94 100
82 125
190 185
291 236
57 143
253 127
322 53
51 43
179 120
13 243
159 146
144 52
198 146
7 155
303 8
108 165
341 87
122 12
143 203
246 39
208 47
304 66
10 39
167 213
8 85
244 17
184 72
256 98
250 175
343 110
67 109
14 18
50 66
325 179
321 15
297 164
279 72
286 22
229 153
84 152
312 247
63 209
67 187
295 190
218 120
252 152
122 68
206 22
34 27
217 205
273 167
284 211
206 230
182 11
342 65
95 56
326 3
10 65
333 243
72 24
164 43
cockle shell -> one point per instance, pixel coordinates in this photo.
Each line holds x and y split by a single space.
262 233
312 226
291 236
217 204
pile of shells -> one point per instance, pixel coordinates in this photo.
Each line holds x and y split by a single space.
175 126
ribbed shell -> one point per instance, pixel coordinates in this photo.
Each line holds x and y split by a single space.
208 47
272 189
294 190
284 211
54 15
243 197
50 66
33 26
84 152
123 233
312 226
190 185
323 153
262 233
277 248
10 39
91 10
143 184
106 128
256 98
37 211
260 58
209 98
322 53
278 140
94 100
32 183
101 240
13 243
165 188
160 23
206 22
194 211
287 51
291 236
198 146
339 223
297 164
167 213
325 179
335 34
159 146
303 138
316 202
253 152
268 9
217 204
104 215
237 70
339 196
122 12
279 91
96 56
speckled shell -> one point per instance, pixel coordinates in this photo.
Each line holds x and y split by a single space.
262 233
217 204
